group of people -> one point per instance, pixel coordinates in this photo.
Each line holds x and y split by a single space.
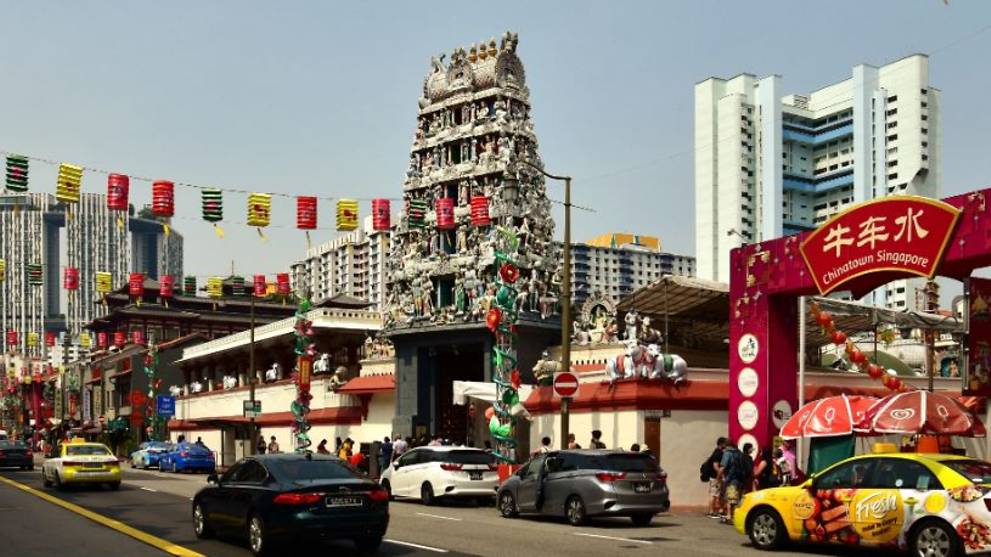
731 472
272 447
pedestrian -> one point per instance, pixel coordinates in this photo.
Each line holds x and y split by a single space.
767 473
635 448
733 473
793 474
748 467
545 446
399 447
597 440
273 446
261 445
572 444
181 439
357 460
385 453
435 442
710 473
199 441
345 450
337 445
782 461
322 447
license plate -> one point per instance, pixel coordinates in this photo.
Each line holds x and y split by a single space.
93 465
348 501
475 475
642 487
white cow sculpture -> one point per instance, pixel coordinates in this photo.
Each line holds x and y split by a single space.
273 372
626 366
658 365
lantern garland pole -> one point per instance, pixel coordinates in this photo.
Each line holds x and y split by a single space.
150 368
501 320
304 350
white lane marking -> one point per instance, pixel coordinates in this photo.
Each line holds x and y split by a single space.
439 516
149 489
416 546
645 542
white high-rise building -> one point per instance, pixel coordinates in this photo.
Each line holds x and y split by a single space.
876 133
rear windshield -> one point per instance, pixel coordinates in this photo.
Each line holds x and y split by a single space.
290 470
630 463
12 445
976 471
464 457
86 450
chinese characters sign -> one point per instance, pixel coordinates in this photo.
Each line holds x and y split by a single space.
901 233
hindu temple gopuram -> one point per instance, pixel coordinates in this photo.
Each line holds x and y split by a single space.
471 174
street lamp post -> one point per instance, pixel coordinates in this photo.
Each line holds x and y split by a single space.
252 378
565 295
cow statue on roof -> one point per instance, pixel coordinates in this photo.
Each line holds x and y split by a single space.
646 362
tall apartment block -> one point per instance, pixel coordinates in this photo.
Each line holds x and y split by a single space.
352 264
769 164
36 230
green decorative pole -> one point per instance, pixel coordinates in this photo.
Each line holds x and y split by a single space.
501 320
304 350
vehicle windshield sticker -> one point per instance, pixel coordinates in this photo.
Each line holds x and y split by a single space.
922 483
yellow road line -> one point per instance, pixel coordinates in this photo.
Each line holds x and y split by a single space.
153 541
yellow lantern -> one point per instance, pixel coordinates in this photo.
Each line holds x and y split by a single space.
3 270
84 339
259 209
347 214
33 338
70 179
215 287
104 282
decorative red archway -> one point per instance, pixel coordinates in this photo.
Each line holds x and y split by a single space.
859 250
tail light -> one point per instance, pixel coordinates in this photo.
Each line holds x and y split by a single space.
450 467
662 477
298 498
378 495
610 476
183 454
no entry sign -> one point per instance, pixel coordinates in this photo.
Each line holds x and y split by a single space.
565 384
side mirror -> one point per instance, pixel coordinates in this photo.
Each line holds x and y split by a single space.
395 465
213 479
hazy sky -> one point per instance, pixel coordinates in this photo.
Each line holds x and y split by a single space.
319 97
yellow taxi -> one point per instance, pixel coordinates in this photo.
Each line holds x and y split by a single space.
77 461
933 505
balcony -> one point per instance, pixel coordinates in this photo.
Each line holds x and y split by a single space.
799 135
799 183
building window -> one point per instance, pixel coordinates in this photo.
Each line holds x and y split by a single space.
893 137
892 125
892 98
893 176
892 112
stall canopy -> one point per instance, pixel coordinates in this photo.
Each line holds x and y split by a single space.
857 317
485 391
693 307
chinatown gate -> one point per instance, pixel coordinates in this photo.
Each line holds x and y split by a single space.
857 250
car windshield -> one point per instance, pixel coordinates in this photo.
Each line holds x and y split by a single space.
193 448
317 469
629 463
86 450
976 471
467 457
12 445
155 445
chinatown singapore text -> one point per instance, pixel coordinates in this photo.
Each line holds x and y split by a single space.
883 238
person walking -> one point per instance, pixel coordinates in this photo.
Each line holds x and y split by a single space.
597 440
345 450
337 445
733 474
260 446
399 447
572 443
767 473
385 453
545 447
748 467
710 473
273 446
322 447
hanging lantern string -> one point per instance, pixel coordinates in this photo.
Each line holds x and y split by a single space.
234 190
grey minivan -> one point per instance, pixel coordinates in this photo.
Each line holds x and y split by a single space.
579 484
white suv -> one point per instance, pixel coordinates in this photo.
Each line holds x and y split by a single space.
429 473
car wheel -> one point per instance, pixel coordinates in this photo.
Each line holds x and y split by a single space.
368 545
200 526
257 541
44 478
642 520
507 505
934 538
765 529
574 511
31 466
114 485
427 494
388 489
58 481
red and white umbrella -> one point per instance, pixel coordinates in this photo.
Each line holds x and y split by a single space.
922 412
828 417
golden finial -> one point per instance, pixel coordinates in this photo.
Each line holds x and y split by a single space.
492 47
482 53
473 54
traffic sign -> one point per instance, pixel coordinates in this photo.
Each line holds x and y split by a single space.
165 405
565 384
252 409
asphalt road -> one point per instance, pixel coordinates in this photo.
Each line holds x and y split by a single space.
158 504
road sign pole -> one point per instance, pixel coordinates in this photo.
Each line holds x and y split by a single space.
565 418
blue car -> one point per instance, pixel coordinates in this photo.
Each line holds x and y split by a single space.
149 453
188 456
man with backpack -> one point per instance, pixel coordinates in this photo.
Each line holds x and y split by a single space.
709 472
734 473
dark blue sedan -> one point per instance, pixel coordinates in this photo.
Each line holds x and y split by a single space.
276 498
187 456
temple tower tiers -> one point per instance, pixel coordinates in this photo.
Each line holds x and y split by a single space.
467 180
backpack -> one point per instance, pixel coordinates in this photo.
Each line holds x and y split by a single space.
736 467
707 471
770 476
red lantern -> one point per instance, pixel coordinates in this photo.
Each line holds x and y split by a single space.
874 371
166 286
163 198
119 338
306 212
261 285
480 211
839 337
509 272
856 356
515 380
825 319
282 284
381 215
136 285
137 337
118 186
493 318
50 338
445 213
70 280
12 338
101 340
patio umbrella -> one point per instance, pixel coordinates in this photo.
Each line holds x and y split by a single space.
922 412
828 417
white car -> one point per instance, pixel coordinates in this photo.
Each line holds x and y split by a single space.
80 462
429 473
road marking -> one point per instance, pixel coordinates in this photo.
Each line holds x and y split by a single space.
164 545
601 537
149 489
417 546
440 517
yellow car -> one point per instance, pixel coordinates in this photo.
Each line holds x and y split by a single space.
79 462
934 505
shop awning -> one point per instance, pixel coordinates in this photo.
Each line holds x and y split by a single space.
341 415
369 385
482 390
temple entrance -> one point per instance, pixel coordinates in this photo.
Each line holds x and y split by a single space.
458 363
